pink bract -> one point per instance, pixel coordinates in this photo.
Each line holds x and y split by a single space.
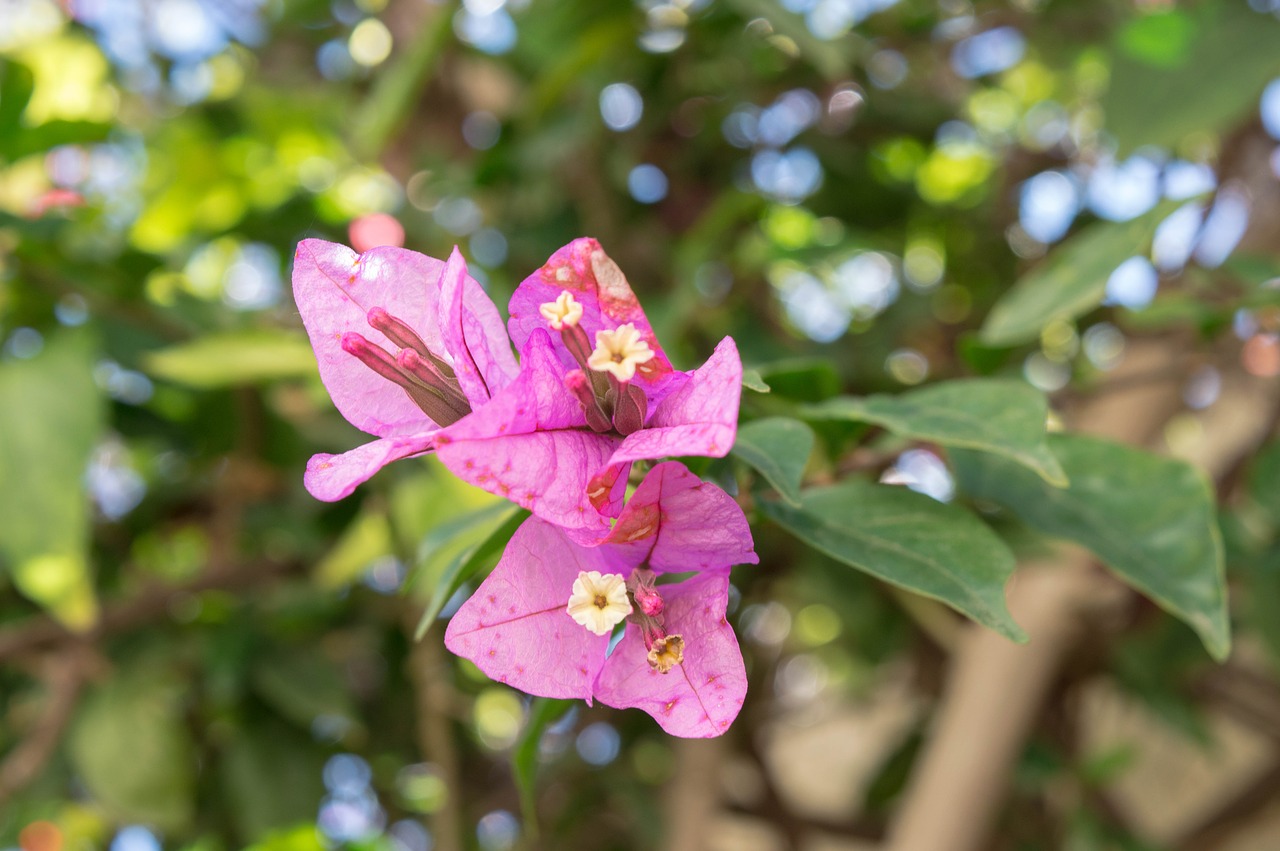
532 443
516 629
335 288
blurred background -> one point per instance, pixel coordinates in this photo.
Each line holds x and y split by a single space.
195 654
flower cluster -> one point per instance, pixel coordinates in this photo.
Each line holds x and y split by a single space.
413 352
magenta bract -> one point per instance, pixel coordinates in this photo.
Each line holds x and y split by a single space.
336 291
414 352
516 627
533 443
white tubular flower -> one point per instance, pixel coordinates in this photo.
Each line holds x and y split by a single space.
620 351
599 601
565 310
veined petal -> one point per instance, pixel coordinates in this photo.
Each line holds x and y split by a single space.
700 417
333 477
677 523
473 334
530 444
582 269
335 288
700 697
515 627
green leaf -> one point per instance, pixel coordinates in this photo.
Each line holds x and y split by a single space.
131 748
988 414
1151 519
544 712
227 360
1264 480
271 777
51 416
304 837
302 685
806 379
16 87
1214 86
366 538
752 381
397 91
908 540
1070 282
1161 39
779 448
471 560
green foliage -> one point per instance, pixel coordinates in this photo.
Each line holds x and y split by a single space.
225 360
1070 282
992 415
778 448
911 541
131 746
271 776
243 633
51 417
1150 519
1194 72
496 523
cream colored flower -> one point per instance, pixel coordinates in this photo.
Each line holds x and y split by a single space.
666 653
565 310
620 351
599 601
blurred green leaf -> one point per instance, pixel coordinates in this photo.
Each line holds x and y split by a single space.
1160 39
805 379
831 58
908 540
543 712
397 91
752 381
131 748
1215 85
16 86
51 415
778 448
302 685
992 415
226 360
1151 519
1264 480
1070 282
271 775
304 837
502 520
366 538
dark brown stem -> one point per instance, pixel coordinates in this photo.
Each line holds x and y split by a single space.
63 675
42 632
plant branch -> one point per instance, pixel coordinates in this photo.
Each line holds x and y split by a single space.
63 675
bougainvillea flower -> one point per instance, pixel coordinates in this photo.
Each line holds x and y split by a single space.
406 344
595 393
542 620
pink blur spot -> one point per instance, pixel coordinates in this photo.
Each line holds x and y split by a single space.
374 230
52 200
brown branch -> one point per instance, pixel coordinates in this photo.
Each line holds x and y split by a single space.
1237 813
63 675
427 669
996 690
42 632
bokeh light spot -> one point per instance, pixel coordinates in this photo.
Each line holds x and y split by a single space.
621 106
647 183
374 230
1133 284
370 42
598 744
